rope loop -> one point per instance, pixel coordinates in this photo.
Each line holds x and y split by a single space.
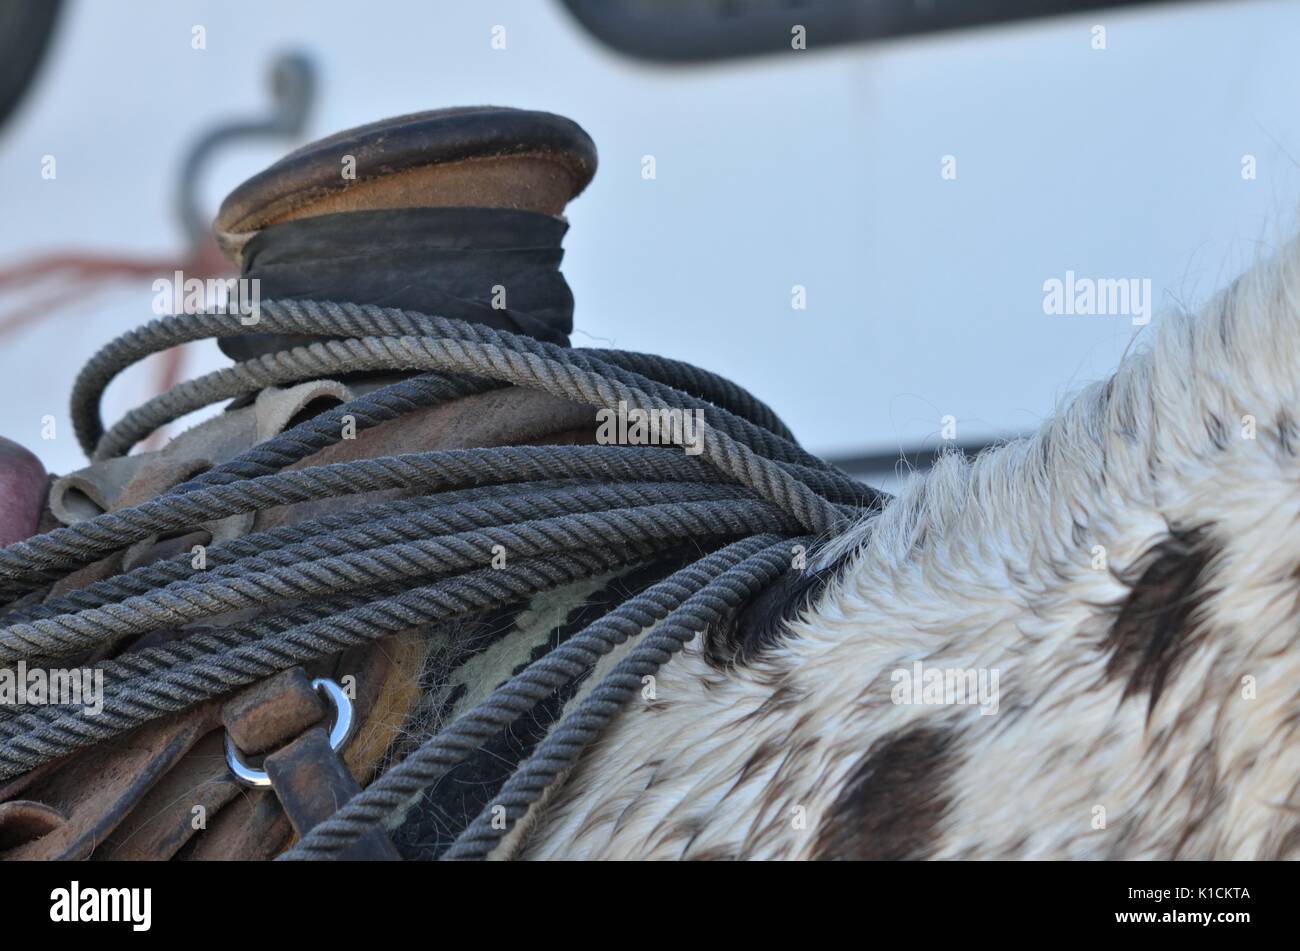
317 587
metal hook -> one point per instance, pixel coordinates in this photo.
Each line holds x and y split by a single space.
293 90
339 734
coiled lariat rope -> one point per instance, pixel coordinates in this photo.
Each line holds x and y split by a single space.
564 513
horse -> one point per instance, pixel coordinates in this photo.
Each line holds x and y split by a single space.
436 584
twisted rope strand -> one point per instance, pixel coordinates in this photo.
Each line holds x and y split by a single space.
515 698
54 731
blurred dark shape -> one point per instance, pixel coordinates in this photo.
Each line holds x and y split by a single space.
292 84
25 30
681 31
916 457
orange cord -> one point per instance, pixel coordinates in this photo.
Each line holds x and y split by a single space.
80 276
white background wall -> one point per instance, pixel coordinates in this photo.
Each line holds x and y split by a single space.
813 168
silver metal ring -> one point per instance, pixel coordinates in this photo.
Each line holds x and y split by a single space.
340 733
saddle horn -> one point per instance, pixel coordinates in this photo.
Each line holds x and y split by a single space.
455 212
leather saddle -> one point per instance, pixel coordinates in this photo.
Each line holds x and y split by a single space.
414 212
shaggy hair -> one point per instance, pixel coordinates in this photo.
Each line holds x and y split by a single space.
1132 574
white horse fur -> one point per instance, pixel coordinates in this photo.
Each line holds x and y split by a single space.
1147 688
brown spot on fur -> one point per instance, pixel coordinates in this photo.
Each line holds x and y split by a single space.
711 855
1156 625
1289 848
1286 432
784 699
767 751
893 803
1217 432
1282 843
1204 795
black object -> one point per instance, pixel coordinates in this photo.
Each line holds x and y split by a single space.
913 457
675 31
25 30
493 266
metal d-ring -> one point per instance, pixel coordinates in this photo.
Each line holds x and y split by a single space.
339 734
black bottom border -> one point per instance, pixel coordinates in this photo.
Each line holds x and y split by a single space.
224 900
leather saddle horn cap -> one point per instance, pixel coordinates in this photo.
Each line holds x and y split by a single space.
483 157
469 156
